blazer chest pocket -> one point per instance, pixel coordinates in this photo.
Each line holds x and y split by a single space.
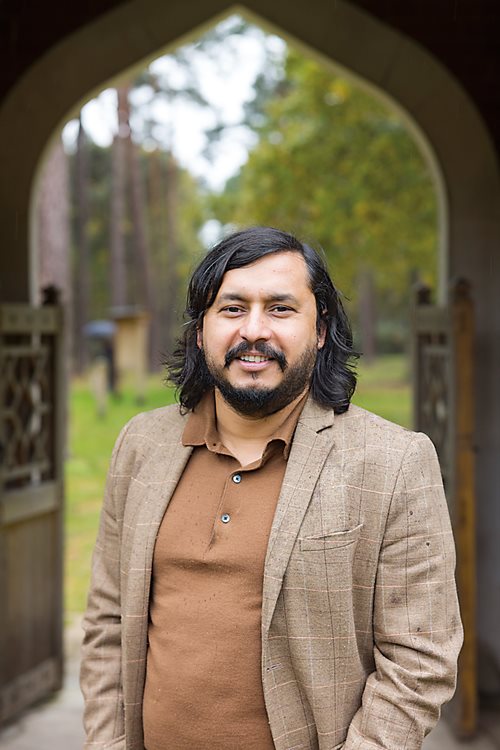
335 540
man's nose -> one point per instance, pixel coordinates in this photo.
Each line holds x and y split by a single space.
255 327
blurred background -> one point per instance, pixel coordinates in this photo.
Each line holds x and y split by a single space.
239 124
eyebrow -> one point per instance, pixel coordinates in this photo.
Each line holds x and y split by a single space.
271 297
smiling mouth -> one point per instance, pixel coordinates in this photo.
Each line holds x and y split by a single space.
262 353
254 358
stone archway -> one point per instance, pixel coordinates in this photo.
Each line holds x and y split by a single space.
443 117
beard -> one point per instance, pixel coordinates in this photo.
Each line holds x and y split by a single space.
259 401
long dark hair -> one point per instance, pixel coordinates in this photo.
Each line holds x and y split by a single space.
333 379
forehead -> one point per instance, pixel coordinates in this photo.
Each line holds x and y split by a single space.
277 273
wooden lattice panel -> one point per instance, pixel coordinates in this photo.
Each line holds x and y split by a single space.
25 377
31 504
27 424
435 399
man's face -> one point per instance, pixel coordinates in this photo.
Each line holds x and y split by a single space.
259 337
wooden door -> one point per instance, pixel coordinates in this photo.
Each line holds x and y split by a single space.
444 409
31 505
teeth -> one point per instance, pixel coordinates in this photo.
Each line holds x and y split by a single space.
253 358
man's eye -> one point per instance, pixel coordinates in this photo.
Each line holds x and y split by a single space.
281 309
233 309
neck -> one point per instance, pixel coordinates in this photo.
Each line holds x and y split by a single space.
237 430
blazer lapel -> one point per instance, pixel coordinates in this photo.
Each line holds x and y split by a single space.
311 445
158 476
157 495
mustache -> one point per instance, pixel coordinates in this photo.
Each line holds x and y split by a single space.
260 346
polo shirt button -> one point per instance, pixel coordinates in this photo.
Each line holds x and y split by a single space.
225 518
236 478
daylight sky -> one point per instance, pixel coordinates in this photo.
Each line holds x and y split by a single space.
226 81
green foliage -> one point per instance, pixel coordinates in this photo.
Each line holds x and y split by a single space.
339 168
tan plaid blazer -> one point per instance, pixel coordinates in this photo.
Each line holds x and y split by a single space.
360 622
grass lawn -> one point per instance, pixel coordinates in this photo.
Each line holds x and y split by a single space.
91 440
383 388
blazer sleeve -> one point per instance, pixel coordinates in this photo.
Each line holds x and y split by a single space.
416 620
100 673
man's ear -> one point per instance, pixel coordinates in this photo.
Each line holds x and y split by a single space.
321 334
199 337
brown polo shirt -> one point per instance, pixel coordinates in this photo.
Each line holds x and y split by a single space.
203 679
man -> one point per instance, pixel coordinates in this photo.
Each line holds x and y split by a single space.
274 568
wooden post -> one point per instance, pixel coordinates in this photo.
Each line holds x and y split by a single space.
465 522
443 348
60 391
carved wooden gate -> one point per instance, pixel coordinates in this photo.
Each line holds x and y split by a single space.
444 409
31 497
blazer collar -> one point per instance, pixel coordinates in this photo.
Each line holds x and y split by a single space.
316 417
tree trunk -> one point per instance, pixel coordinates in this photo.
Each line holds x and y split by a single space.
367 314
141 241
172 272
82 260
118 267
158 243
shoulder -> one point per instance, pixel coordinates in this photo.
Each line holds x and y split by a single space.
359 428
357 420
379 436
157 423
148 432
